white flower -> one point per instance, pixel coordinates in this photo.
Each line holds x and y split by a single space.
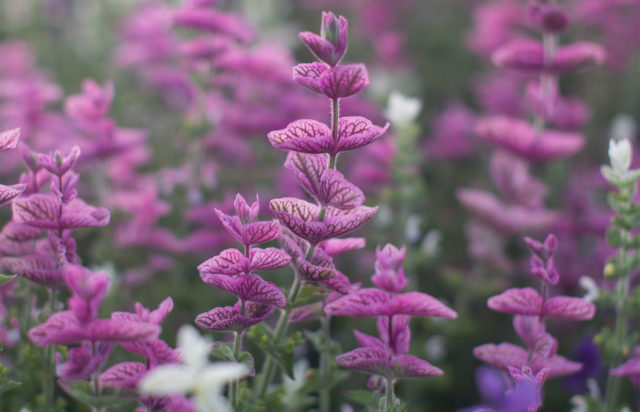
590 286
620 154
412 228
196 375
402 110
579 404
623 127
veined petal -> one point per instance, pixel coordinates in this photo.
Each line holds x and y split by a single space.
8 193
305 136
268 259
338 192
502 355
568 308
308 169
361 303
260 232
9 139
249 287
357 131
308 75
420 304
409 366
123 375
343 81
228 262
371 360
37 210
525 301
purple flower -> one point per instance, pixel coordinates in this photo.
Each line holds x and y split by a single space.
331 45
522 139
311 136
333 82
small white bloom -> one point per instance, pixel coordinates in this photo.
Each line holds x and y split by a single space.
579 404
435 349
623 127
620 154
590 286
402 110
431 243
196 376
412 228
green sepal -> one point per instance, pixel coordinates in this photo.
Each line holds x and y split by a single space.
6 278
83 392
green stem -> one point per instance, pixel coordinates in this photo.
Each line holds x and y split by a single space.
389 394
335 117
234 388
281 330
620 331
325 366
50 379
95 379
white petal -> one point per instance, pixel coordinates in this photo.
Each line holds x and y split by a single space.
194 349
219 373
168 380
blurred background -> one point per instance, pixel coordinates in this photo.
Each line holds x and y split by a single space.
185 129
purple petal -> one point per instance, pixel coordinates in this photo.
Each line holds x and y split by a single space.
369 360
343 81
339 283
502 355
123 375
357 131
522 139
308 169
320 47
408 366
420 304
228 262
568 308
78 214
81 363
525 301
368 340
249 287
9 139
334 247
268 259
7 193
315 272
532 332
37 210
17 232
521 55
36 268
398 337
361 303
308 75
305 135
630 368
229 318
260 232
338 192
577 56
340 222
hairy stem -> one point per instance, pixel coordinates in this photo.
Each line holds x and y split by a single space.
325 365
335 117
280 331
50 379
389 394
234 388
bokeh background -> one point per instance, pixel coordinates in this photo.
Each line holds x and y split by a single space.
195 134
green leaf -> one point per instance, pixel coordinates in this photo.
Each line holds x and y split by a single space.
281 353
615 239
83 392
6 383
308 295
223 351
247 359
360 396
6 278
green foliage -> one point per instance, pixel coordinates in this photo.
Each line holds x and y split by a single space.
282 352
